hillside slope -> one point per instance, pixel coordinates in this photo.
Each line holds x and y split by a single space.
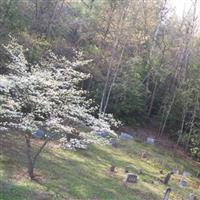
85 175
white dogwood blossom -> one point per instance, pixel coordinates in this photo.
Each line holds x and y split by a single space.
45 95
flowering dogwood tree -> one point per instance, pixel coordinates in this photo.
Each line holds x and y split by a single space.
43 96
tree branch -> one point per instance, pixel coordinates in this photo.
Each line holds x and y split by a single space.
39 150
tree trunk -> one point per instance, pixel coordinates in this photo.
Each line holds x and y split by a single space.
191 126
36 9
114 49
152 98
167 114
30 170
113 81
182 124
40 150
162 17
53 17
107 78
29 156
181 65
32 158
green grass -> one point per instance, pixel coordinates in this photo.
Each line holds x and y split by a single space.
85 175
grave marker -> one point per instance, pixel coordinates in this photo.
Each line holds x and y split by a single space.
125 136
192 197
185 173
131 178
198 174
167 193
167 178
183 183
150 141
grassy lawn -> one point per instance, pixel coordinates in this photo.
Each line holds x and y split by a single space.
85 175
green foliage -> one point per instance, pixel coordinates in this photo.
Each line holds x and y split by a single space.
92 49
36 49
194 146
128 94
10 18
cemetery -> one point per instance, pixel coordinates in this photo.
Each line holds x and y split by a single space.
99 99
97 169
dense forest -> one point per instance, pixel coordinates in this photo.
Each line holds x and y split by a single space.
141 60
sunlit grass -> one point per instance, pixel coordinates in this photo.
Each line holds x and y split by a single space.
85 174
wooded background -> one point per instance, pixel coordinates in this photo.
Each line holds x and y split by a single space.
145 65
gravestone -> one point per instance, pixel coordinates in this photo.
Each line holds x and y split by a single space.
140 171
126 169
185 173
198 174
192 197
183 183
167 178
113 142
103 134
39 134
175 171
166 194
125 136
131 178
150 140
